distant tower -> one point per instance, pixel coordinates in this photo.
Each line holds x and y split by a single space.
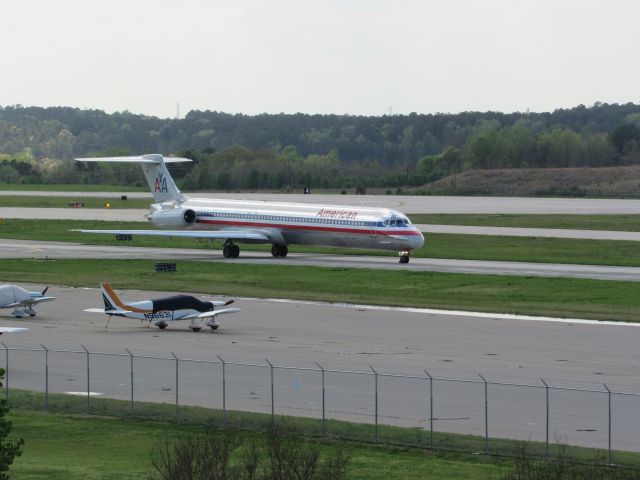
178 111
390 110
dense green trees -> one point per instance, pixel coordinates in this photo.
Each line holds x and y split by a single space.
290 151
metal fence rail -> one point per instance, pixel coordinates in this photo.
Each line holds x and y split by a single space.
429 408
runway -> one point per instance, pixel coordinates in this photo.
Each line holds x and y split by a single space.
53 250
406 203
349 339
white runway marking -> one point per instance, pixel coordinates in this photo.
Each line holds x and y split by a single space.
458 313
84 394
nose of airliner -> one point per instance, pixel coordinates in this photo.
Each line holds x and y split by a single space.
416 241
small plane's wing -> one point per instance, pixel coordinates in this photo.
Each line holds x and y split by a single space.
213 235
106 312
29 301
212 314
12 330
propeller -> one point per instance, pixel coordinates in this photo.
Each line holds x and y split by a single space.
228 303
45 290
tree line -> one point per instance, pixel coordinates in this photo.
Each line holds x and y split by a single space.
37 145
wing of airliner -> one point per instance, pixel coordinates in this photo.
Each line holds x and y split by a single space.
213 235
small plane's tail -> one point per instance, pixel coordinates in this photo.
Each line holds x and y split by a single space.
160 182
111 299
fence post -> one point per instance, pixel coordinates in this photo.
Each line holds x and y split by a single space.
546 438
324 418
133 411
375 376
6 373
610 458
430 409
486 415
273 408
88 381
224 393
177 387
46 376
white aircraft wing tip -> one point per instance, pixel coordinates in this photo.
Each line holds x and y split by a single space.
13 330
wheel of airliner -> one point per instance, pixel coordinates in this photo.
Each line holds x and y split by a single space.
196 329
284 250
227 251
235 251
275 250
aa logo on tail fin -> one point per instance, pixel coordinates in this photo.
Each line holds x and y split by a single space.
161 183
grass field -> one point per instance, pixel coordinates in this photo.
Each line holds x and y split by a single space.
114 202
31 187
67 444
468 247
625 223
559 297
69 447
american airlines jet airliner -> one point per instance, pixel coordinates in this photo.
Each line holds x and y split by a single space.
278 223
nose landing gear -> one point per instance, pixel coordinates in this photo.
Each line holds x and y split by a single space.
404 256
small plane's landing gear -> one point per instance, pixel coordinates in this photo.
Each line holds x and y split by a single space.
214 327
279 250
231 251
161 325
195 329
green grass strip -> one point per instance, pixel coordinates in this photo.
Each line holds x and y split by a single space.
557 297
115 202
72 187
467 247
66 442
624 223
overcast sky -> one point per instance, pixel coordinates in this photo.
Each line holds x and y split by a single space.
334 56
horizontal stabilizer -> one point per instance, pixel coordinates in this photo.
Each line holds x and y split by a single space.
136 159
106 312
213 235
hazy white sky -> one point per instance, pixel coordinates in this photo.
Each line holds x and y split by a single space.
312 56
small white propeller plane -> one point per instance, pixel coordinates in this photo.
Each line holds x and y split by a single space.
161 311
22 301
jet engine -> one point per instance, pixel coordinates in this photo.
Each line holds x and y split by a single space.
173 218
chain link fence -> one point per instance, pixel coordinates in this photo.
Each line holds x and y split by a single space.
475 415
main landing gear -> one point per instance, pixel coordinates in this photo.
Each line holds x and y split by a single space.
279 250
231 251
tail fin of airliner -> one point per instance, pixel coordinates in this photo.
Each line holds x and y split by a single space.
160 182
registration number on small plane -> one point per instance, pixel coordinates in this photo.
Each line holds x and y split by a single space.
151 316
